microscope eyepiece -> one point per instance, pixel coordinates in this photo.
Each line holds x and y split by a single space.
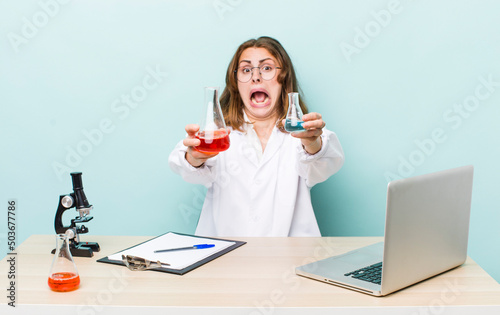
80 198
77 180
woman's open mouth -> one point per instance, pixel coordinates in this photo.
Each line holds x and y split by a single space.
259 98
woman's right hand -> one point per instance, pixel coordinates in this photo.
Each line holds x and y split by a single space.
194 157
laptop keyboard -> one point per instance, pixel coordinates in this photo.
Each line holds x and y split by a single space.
372 273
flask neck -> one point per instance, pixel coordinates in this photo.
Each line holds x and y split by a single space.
62 247
294 110
212 118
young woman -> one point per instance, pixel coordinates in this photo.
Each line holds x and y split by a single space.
261 185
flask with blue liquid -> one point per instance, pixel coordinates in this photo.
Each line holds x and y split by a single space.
293 122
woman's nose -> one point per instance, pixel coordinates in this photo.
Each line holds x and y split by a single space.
256 75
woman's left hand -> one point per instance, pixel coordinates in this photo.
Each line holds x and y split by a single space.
311 140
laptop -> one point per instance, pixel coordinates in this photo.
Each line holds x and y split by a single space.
426 233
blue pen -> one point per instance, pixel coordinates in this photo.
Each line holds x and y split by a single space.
199 246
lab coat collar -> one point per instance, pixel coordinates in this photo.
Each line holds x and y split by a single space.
274 143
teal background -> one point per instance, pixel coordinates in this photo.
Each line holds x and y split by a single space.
397 89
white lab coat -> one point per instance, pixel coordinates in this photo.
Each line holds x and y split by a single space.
267 195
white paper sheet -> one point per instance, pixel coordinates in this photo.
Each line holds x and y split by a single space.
177 259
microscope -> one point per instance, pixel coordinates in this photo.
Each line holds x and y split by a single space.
79 201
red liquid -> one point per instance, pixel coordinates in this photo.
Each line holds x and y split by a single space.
220 142
64 281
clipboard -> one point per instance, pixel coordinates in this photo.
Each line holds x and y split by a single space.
187 268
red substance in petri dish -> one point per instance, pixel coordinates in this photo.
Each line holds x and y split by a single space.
218 143
64 281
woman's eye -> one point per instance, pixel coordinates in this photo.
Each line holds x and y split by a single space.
245 70
267 68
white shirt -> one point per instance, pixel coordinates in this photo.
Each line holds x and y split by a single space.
267 195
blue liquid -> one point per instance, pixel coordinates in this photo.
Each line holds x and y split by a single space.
290 128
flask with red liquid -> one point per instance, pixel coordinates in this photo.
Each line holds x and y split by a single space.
213 133
63 275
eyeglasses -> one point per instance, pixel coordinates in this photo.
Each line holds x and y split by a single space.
267 72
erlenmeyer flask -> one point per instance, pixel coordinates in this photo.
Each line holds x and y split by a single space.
63 275
293 120
212 134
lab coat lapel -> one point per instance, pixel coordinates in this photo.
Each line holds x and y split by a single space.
275 141
250 154
246 148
